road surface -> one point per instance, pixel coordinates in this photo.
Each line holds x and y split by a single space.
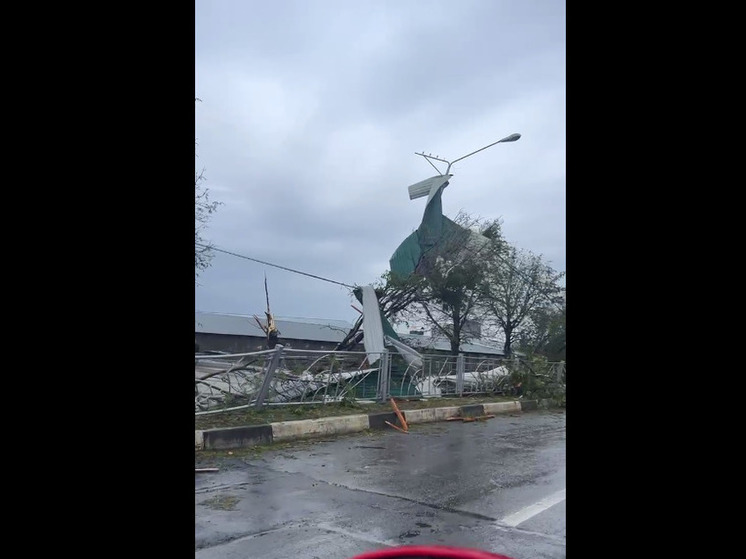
497 485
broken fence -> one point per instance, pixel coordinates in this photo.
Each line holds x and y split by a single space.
285 376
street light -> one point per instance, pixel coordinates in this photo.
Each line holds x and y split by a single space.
428 186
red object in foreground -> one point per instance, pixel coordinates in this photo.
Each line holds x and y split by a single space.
431 551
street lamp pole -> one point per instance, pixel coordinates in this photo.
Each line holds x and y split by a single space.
511 138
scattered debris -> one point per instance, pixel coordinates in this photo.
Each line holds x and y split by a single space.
404 428
396 427
469 419
399 415
270 329
201 470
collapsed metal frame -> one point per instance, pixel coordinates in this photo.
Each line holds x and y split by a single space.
255 378
285 376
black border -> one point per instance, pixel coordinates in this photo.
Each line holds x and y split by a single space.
114 160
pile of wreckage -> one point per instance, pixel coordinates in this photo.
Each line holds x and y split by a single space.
223 380
220 381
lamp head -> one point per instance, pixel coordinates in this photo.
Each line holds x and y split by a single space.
511 138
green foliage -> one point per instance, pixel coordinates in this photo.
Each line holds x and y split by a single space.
452 275
516 288
536 379
472 274
545 332
348 401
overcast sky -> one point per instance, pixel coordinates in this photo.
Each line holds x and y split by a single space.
310 116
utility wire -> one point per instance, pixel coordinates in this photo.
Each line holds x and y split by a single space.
499 257
210 247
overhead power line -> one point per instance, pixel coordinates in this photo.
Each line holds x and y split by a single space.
216 249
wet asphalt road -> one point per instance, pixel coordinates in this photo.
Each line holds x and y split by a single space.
497 485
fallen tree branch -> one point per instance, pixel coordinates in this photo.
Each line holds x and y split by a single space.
402 421
397 428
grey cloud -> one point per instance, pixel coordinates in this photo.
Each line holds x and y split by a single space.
311 115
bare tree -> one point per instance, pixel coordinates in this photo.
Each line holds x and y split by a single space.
204 207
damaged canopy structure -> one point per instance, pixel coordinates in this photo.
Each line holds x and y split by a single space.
407 258
437 237
433 238
435 227
378 330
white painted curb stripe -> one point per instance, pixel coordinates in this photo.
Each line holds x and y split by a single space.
502 407
524 514
288 430
427 415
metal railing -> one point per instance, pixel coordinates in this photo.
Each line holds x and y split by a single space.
283 376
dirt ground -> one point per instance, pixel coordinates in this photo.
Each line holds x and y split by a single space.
270 414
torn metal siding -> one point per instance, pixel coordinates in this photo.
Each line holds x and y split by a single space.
372 325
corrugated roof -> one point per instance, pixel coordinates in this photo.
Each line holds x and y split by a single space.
312 329
315 329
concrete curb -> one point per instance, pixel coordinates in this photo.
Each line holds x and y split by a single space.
253 435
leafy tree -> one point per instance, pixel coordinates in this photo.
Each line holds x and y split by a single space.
471 273
445 288
545 334
518 284
450 287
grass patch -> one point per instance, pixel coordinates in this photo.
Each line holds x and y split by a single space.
272 414
236 457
